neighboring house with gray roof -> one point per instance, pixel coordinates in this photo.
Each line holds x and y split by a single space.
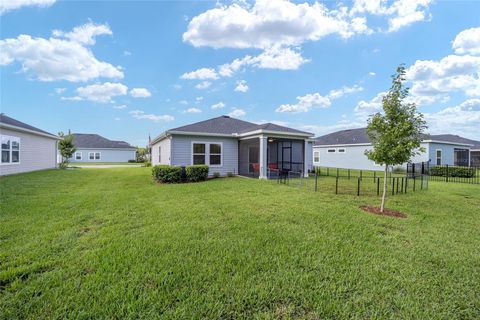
25 148
346 149
229 145
95 148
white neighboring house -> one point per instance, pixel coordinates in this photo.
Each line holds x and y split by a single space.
95 148
229 145
346 149
25 148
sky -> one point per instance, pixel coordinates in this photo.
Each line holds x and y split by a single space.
130 69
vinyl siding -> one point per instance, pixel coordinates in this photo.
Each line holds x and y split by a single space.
354 157
36 153
181 147
165 144
106 155
448 155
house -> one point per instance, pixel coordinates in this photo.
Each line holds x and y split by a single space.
95 148
25 148
346 149
229 145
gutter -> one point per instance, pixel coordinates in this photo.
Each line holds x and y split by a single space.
47 135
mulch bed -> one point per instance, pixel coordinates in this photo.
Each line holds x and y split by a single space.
386 212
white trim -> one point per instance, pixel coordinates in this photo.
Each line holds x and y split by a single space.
318 156
369 144
448 142
207 152
10 150
120 149
81 155
436 157
9 126
282 133
95 156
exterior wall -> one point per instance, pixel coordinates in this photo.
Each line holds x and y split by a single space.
308 159
106 155
355 158
448 156
165 145
36 153
181 148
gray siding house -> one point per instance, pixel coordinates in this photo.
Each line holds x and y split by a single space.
95 148
229 145
346 149
25 148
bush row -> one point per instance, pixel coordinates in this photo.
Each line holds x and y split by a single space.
443 171
176 174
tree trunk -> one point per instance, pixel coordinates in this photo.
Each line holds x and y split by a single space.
384 189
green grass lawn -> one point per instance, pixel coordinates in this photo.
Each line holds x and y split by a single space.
72 164
113 244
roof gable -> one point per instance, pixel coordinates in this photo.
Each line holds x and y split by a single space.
13 122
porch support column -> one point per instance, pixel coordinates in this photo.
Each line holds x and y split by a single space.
306 155
263 157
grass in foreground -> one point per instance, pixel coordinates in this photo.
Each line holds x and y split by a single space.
113 244
72 164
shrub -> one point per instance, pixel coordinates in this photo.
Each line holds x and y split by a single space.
216 174
196 173
167 174
147 163
461 172
132 161
229 174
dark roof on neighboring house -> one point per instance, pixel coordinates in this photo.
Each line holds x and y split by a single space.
225 125
87 140
359 136
12 122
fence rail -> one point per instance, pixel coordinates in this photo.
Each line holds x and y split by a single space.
456 174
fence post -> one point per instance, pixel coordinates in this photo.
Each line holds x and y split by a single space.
337 172
406 184
360 174
378 187
358 187
316 180
336 185
413 183
348 174
393 185
421 183
402 186
447 172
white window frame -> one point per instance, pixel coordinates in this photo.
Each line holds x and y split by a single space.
95 155
160 154
10 149
331 150
207 153
437 158
99 156
78 153
89 155
316 155
344 150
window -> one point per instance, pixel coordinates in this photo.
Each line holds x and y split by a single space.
215 154
438 154
78 156
10 149
316 156
97 155
159 154
331 150
207 153
199 153
94 155
342 150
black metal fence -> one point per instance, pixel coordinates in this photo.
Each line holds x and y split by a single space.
457 174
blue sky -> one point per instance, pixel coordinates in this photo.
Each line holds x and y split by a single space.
128 69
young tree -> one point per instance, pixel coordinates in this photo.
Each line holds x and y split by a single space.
395 133
66 148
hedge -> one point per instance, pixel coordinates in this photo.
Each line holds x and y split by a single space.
462 172
167 174
196 173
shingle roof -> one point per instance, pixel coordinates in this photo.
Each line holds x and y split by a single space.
229 126
10 121
359 136
86 140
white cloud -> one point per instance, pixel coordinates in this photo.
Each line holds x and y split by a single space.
237 113
203 85
338 93
185 102
371 73
192 110
306 103
127 53
8 5
463 119
141 115
200 74
117 119
60 90
340 125
84 34
366 108
76 98
268 23
102 93
467 42
282 58
120 107
217 106
241 86
68 58
140 93
198 99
